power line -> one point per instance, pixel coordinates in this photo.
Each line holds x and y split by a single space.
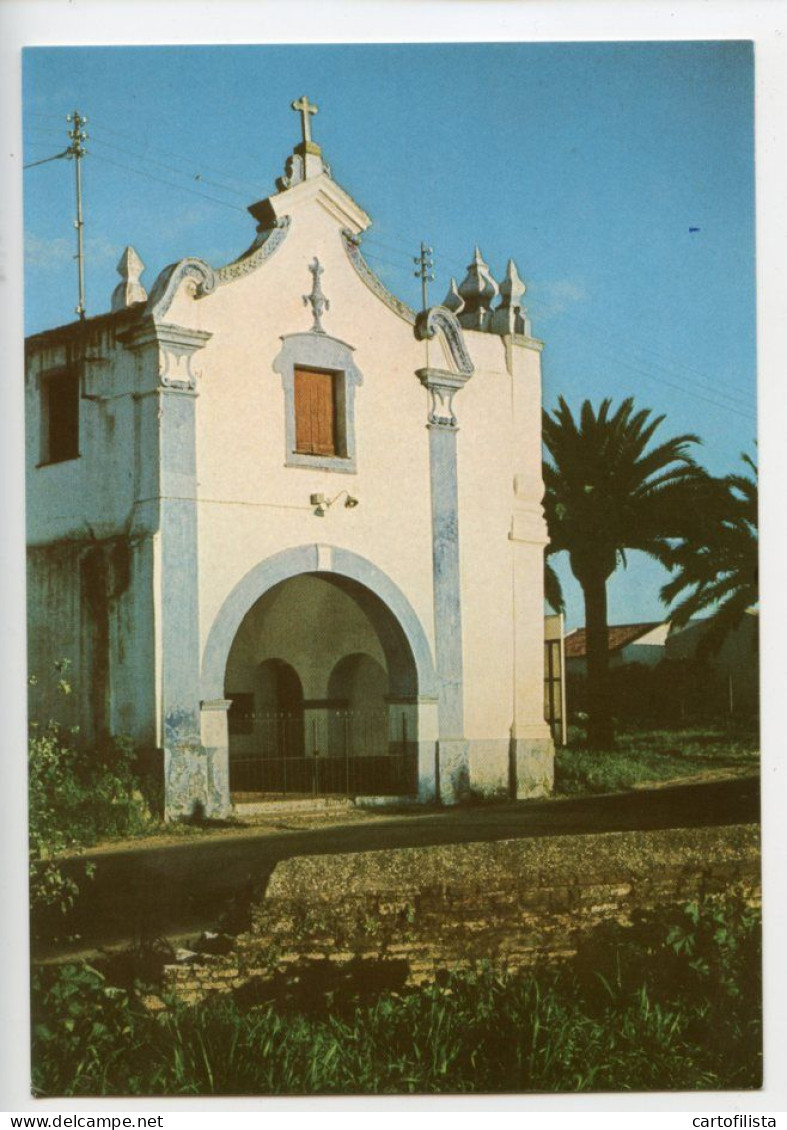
171 168
399 267
388 262
635 364
138 149
665 360
622 363
197 176
375 242
145 144
737 396
170 184
34 164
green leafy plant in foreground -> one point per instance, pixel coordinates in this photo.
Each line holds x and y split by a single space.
671 1003
76 797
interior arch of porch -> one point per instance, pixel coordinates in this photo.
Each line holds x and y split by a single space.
397 640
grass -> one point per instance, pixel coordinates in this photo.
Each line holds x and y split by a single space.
671 1003
641 757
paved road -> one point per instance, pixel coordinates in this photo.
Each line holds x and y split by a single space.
185 886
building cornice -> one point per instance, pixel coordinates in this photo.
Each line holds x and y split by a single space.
321 190
367 276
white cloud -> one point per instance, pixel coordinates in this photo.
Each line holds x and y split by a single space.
55 252
558 295
48 252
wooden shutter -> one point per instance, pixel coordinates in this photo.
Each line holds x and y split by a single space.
315 413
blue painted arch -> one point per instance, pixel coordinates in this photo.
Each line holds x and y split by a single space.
406 647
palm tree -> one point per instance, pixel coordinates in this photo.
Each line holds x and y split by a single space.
553 590
717 567
607 492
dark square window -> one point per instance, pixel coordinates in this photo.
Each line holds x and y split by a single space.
60 417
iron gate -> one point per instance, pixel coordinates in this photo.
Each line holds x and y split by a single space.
344 752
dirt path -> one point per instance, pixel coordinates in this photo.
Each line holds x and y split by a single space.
150 891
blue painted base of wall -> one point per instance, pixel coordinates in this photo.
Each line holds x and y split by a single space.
534 767
196 783
453 770
427 768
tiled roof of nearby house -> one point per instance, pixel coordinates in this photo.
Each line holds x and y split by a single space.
619 636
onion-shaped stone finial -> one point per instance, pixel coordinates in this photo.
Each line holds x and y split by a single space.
453 301
478 289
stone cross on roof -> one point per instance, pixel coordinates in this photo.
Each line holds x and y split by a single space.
305 109
306 158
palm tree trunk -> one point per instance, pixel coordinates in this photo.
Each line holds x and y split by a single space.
600 732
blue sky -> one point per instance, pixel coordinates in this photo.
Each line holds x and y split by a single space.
587 163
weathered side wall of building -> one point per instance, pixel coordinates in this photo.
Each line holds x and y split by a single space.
90 605
512 904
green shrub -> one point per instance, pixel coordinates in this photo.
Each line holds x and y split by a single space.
672 1003
651 755
76 797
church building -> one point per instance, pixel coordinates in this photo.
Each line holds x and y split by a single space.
287 530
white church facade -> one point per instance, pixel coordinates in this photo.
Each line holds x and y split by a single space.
288 531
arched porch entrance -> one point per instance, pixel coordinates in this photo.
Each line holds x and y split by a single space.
328 690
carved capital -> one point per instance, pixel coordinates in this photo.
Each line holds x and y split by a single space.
442 387
176 346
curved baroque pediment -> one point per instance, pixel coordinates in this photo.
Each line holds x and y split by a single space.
169 281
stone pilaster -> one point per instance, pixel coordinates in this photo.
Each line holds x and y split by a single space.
195 775
452 750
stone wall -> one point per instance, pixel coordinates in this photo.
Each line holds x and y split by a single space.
512 904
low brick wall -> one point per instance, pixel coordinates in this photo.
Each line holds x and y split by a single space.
513 904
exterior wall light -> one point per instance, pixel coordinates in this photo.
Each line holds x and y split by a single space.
322 504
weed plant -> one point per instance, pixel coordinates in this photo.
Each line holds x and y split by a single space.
76 797
651 755
670 1003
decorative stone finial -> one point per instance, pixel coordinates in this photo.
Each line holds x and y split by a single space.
512 288
453 301
130 290
306 160
478 290
317 300
511 317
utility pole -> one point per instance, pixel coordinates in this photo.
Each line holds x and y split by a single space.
425 265
76 151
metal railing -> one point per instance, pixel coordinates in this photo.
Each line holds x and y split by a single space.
344 752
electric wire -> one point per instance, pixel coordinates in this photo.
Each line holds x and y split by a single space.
665 359
651 356
734 400
145 145
170 184
196 175
192 176
45 160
